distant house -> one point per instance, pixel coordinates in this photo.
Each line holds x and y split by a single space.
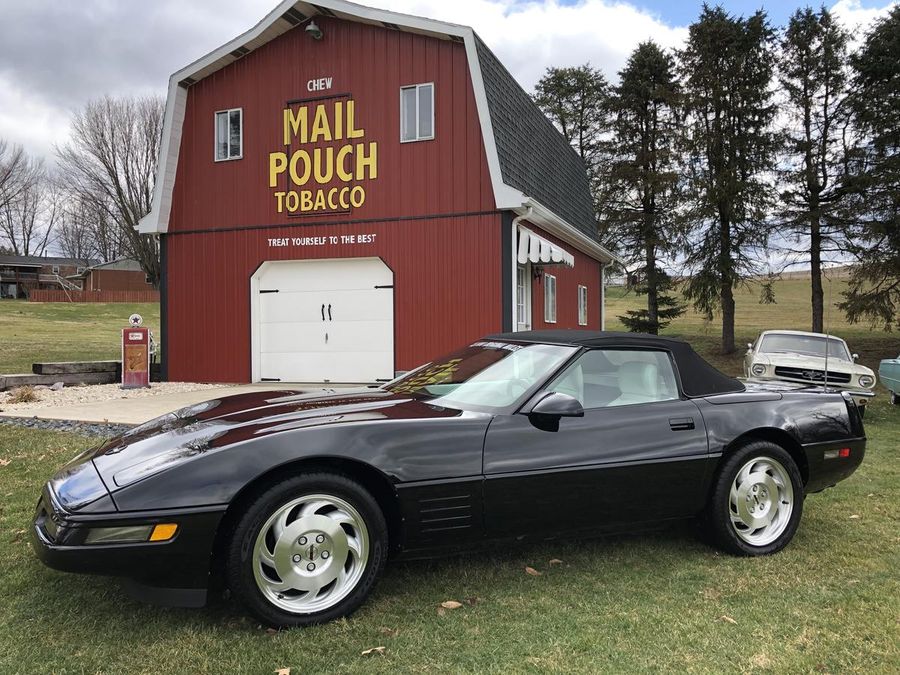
123 274
20 274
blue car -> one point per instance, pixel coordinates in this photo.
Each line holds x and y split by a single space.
889 372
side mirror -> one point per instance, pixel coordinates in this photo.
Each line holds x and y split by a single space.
855 357
749 346
558 405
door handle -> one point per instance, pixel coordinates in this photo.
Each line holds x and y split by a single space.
323 311
329 311
681 423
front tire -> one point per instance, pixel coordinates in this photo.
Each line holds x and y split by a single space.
757 500
895 398
308 550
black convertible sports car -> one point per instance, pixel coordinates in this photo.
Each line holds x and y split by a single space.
295 500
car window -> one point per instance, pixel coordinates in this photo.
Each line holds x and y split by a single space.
805 345
605 378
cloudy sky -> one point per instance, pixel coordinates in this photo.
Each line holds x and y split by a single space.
54 56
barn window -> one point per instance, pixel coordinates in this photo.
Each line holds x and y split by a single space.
417 113
55 269
229 134
549 298
582 306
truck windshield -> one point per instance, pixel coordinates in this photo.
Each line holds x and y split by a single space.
485 375
806 345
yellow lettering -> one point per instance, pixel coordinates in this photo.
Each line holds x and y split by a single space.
357 196
331 203
324 173
341 170
370 161
305 200
292 201
277 165
300 179
279 201
320 200
338 120
342 198
320 126
294 123
353 132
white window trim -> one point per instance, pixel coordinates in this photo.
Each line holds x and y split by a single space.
216 137
525 299
582 306
547 318
433 98
54 269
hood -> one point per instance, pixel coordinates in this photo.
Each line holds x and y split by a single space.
212 425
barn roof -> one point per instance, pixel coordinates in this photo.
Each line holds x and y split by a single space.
533 170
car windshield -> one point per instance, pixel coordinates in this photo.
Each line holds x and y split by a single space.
807 345
484 376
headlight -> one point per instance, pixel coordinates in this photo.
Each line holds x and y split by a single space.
758 369
866 381
130 534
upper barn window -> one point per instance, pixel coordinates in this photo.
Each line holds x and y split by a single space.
417 113
229 134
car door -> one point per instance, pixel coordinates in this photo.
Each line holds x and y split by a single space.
639 453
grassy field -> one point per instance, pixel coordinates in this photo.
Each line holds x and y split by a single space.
790 311
59 331
653 602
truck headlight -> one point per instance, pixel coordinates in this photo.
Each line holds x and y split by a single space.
758 369
866 381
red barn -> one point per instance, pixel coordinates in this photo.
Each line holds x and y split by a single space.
347 192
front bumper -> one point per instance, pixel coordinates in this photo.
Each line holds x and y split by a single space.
179 568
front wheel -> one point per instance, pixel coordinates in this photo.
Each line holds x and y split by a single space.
757 500
895 398
308 550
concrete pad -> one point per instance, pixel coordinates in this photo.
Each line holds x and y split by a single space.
139 410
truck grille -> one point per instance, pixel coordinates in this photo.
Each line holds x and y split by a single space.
811 375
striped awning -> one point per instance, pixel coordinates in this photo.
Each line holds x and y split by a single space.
537 250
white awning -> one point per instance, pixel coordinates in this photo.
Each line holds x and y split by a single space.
536 249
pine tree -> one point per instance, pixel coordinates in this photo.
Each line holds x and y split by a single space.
813 75
727 66
874 182
643 181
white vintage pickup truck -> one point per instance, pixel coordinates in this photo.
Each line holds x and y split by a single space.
798 356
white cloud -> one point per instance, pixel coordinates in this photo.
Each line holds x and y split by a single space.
857 18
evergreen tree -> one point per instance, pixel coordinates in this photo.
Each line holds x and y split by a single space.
874 183
727 66
643 181
576 99
812 73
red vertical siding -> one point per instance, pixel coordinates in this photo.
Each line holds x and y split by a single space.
446 288
585 273
442 176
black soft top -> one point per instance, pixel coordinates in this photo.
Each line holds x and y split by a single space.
698 378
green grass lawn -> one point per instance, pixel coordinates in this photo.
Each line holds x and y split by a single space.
652 602
60 331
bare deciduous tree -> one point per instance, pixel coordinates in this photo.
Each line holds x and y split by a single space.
111 163
30 212
13 166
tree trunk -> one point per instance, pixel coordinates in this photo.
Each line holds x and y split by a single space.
652 290
726 288
815 270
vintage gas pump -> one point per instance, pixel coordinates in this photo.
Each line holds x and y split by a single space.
136 348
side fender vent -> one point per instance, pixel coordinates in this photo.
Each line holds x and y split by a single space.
439 514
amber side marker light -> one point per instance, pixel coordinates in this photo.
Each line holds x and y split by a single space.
163 532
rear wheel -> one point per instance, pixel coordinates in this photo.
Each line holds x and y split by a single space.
757 500
895 398
308 550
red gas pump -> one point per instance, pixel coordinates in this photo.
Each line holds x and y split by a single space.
135 354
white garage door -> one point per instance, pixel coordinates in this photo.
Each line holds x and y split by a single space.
324 321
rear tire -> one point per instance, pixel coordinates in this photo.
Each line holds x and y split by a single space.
895 398
757 500
307 550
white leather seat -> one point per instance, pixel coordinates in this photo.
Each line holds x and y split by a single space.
638 383
573 383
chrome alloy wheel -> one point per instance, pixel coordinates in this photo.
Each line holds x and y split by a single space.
761 501
310 554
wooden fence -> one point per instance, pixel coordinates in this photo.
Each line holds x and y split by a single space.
44 295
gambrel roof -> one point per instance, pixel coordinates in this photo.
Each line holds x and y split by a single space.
533 170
